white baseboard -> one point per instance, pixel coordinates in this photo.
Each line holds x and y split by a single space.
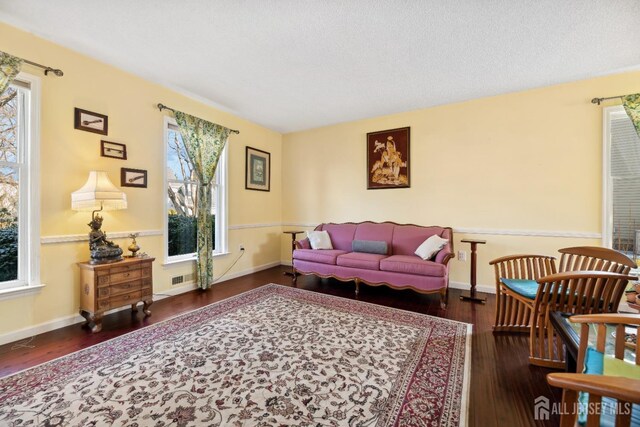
249 271
61 322
40 328
465 286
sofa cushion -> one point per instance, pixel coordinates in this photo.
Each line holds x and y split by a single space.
374 231
341 235
370 247
407 238
319 240
430 247
323 256
360 260
411 264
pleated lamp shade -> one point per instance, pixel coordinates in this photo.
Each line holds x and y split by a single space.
98 192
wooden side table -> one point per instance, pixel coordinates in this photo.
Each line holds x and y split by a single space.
107 286
474 258
293 247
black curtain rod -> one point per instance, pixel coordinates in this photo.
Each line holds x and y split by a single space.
599 100
47 69
164 107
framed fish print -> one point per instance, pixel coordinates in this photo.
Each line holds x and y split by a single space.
388 159
257 170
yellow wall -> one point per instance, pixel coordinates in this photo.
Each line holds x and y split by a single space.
523 161
528 161
67 155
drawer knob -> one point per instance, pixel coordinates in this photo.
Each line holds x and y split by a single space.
126 274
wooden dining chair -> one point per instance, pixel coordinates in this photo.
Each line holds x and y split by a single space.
601 386
575 292
516 277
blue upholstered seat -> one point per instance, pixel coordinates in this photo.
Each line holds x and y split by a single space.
594 364
526 288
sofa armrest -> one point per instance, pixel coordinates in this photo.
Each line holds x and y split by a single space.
303 244
445 254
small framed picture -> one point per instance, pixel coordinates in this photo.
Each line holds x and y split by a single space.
113 150
257 170
90 122
133 178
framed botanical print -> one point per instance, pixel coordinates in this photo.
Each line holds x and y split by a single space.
388 159
90 121
257 170
133 178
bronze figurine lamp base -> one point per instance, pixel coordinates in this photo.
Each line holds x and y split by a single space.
100 192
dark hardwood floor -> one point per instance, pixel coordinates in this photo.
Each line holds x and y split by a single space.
503 384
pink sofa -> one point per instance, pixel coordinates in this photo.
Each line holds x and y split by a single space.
399 268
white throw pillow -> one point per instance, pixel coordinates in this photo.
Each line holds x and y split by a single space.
430 247
319 240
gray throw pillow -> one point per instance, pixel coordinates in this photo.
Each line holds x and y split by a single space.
369 246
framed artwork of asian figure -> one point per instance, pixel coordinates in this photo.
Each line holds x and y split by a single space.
388 159
257 170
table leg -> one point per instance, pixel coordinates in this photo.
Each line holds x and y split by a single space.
472 292
292 273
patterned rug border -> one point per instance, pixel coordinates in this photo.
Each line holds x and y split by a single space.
271 289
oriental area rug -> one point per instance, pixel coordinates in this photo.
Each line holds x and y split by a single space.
274 356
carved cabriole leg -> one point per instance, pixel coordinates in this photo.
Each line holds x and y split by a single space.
145 307
87 317
97 322
134 308
92 321
357 286
444 292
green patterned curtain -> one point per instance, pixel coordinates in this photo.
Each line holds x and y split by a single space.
631 104
9 69
204 142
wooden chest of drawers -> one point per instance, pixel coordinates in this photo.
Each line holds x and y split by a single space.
108 286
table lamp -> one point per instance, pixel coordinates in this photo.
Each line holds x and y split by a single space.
98 194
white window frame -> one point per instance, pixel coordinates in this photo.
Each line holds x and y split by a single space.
608 114
29 214
221 202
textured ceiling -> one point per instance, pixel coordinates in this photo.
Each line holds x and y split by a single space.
293 65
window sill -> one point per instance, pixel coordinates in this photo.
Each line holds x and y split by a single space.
19 291
182 261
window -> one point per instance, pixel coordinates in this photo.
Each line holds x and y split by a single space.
621 186
182 200
19 197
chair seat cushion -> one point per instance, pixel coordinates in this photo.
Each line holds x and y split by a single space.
322 256
597 363
360 260
523 287
412 264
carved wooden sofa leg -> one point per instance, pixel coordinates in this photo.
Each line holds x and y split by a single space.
357 286
444 297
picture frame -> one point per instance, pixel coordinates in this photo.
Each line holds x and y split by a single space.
113 150
89 121
257 170
133 178
388 159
